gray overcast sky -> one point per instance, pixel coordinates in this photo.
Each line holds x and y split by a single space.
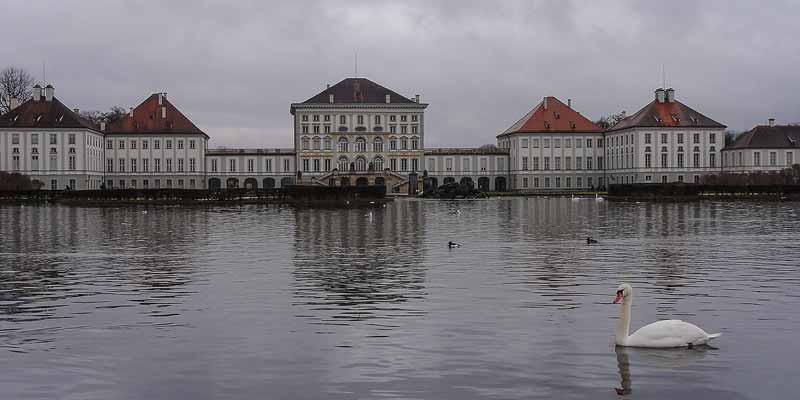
235 68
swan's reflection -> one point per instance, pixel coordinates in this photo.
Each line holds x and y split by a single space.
679 358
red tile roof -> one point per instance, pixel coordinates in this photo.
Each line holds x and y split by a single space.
148 117
555 117
43 114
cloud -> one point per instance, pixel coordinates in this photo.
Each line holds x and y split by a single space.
234 68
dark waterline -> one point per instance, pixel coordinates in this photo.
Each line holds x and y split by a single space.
275 302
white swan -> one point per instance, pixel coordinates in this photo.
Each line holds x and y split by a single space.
597 197
574 198
661 334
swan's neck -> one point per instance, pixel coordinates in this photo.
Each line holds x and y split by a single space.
624 322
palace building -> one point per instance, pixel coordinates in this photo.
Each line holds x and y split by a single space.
358 132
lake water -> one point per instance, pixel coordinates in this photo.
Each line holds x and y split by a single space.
276 302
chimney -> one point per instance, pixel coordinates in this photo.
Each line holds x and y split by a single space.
624 114
49 91
14 103
76 110
670 95
163 112
330 98
130 112
772 122
569 103
103 124
388 99
37 92
160 98
545 102
660 95
416 98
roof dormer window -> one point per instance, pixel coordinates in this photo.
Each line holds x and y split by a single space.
38 117
546 125
60 118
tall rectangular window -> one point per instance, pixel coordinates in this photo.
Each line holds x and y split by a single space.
305 165
535 163
133 165
180 144
757 158
250 163
121 165
648 160
558 163
109 165
589 163
789 158
578 162
192 144
145 165
773 158
157 166
180 165
267 165
169 165
133 144
696 160
664 138
286 165
214 165
546 163
647 138
53 138
524 163
157 144
192 165
568 163
524 143
71 138
663 160
168 144
712 160
712 138
144 147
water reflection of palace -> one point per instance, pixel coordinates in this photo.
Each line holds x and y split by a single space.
350 266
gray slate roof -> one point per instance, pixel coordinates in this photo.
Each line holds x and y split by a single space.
772 137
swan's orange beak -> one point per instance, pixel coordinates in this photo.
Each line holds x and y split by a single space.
618 298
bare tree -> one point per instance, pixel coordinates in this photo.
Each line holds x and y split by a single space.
14 82
113 114
611 120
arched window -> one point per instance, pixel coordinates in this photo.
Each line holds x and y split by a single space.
377 145
315 143
361 164
304 143
393 143
344 164
647 149
377 163
696 149
404 143
361 145
414 143
327 142
343 145
663 149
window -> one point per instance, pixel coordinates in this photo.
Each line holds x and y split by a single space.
180 165
403 128
712 138
535 182
377 120
648 160
414 118
35 162
599 162
133 165
546 163
315 143
327 129
327 143
53 138
557 143
327 118
773 158
191 144
267 165
524 144
414 129
558 182
71 138
524 163
305 165
377 145
414 143
360 120
133 144
567 143
546 143
589 163
524 183
316 165
361 145
316 118
578 143
156 144
250 163
392 118
404 164
214 165
569 182
567 163
343 164
680 178
696 160
789 158
535 143
231 165
180 144
712 160
404 143
169 165
315 129
157 165
393 164
696 138
168 144
327 164
647 138
342 120
343 145
663 160
664 138
304 118
535 163
304 143
403 118
588 144
121 144
15 161
578 161
579 182
558 163
35 138
145 165
121 165
547 183
680 138
757 158
286 165
144 147
15 138
53 184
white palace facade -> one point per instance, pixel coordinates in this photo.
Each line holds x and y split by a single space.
358 132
